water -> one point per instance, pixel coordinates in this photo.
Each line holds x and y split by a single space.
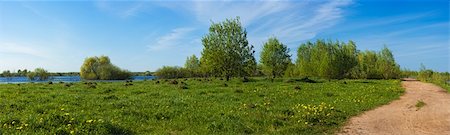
4 80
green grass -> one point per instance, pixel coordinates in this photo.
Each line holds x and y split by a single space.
196 107
445 86
420 104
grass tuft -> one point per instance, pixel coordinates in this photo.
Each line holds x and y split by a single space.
420 104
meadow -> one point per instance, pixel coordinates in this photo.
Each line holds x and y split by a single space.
190 106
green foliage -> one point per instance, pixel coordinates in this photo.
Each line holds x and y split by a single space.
327 59
275 58
406 73
387 66
40 73
337 60
170 72
291 71
226 51
7 73
255 107
420 104
428 75
192 65
101 68
373 65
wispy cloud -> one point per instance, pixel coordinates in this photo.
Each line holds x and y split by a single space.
298 26
174 38
120 8
20 49
291 21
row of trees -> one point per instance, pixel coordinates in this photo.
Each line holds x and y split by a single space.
8 73
227 54
101 68
337 60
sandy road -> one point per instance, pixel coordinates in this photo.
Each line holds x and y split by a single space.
402 117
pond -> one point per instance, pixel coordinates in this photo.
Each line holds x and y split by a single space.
4 80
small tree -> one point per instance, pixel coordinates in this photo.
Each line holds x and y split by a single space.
192 65
386 64
41 73
275 58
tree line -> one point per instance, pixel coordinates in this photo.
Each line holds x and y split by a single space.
38 74
226 53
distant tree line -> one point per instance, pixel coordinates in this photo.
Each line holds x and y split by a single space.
427 75
39 74
226 53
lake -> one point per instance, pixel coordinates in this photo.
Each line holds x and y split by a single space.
4 80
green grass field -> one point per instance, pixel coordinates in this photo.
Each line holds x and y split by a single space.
198 106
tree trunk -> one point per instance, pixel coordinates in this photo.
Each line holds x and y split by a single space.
273 75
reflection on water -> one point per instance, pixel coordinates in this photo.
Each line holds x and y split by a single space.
63 79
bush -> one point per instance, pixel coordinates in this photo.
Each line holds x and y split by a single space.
40 73
101 68
171 72
441 79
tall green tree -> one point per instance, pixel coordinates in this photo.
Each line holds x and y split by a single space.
226 51
275 58
387 65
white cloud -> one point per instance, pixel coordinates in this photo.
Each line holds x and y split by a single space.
172 39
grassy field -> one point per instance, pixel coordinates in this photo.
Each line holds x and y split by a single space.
193 106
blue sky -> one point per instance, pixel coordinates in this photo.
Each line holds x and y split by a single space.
145 35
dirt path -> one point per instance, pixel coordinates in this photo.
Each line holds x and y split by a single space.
402 117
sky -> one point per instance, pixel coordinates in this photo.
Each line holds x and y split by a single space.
146 35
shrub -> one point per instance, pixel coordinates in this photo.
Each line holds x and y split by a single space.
171 72
40 73
101 68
